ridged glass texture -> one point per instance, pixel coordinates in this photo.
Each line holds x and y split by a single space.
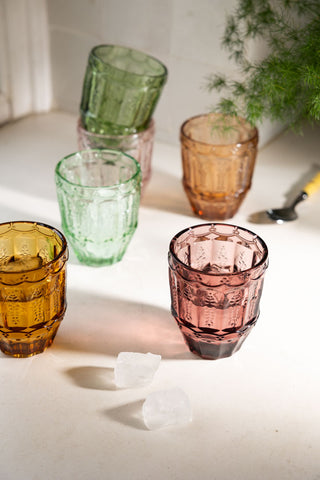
216 274
138 145
121 89
99 194
218 159
32 286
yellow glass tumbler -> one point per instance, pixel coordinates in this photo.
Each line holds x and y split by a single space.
32 286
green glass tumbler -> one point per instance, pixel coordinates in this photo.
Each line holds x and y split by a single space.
99 195
120 91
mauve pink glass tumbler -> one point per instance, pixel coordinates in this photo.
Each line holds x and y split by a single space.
216 274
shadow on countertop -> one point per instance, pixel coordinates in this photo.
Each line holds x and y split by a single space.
110 325
165 192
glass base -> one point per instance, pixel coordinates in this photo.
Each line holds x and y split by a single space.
96 125
209 346
214 207
99 262
213 351
22 348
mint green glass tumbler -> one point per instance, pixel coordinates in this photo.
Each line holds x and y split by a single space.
120 91
99 195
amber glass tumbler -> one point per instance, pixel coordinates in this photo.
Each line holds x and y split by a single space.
216 274
137 145
32 286
218 159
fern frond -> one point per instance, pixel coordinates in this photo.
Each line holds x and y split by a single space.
285 85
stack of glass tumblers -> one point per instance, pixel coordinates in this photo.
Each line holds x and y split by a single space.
99 186
120 92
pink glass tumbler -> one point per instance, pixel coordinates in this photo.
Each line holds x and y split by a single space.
216 274
137 145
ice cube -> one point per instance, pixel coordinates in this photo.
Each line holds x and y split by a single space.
135 369
166 407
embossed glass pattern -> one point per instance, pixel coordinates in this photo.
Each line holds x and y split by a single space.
99 194
121 89
216 274
32 286
218 159
138 145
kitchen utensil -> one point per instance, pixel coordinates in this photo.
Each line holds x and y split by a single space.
287 214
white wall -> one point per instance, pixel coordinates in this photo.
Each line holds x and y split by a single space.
25 64
184 34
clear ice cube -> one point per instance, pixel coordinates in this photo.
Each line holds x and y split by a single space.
135 369
166 407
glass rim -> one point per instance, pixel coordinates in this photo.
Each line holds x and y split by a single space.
232 274
93 52
98 150
64 245
255 132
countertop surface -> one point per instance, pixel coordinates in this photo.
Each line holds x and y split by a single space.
256 415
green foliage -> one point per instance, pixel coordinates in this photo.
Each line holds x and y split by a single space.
285 84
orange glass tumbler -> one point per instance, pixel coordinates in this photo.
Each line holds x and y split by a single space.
32 286
218 159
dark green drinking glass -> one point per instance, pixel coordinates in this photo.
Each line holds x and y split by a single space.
121 89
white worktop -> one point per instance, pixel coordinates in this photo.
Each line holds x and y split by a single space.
256 415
